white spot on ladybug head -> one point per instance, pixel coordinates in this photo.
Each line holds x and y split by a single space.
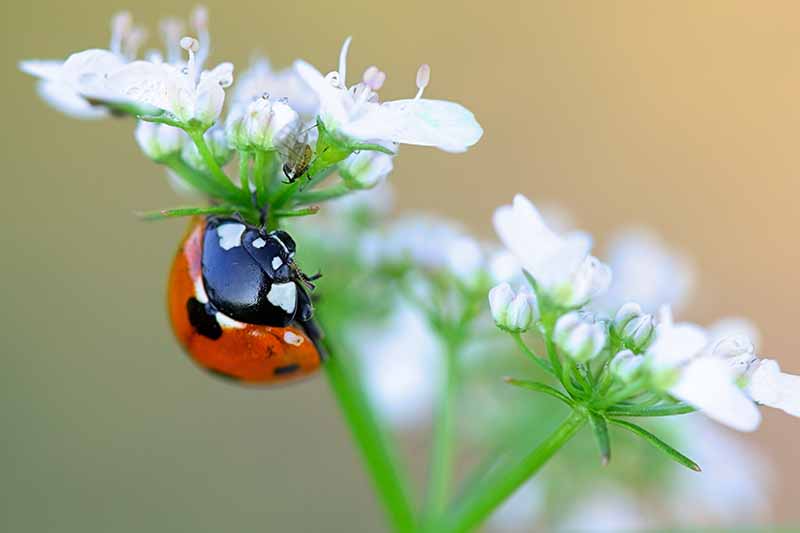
200 291
230 235
283 295
259 243
276 263
292 338
228 323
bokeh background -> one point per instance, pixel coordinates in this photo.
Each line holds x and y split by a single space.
679 115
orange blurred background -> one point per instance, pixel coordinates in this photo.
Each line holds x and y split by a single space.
682 116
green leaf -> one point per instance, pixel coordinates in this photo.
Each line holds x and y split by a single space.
658 410
188 212
539 387
658 443
313 210
162 119
600 430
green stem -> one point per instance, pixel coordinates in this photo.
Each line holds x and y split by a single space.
244 170
379 456
442 452
259 176
543 364
216 172
199 180
659 410
310 197
500 485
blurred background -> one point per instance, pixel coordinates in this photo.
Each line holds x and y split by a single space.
680 116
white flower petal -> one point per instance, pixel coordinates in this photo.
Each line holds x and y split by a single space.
330 97
438 123
769 386
62 97
708 383
155 84
42 68
676 344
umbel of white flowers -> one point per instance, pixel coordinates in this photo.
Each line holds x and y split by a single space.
721 376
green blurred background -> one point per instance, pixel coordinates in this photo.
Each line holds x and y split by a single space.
679 115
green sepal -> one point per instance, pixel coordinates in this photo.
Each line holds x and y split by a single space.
540 387
176 212
657 410
600 430
674 454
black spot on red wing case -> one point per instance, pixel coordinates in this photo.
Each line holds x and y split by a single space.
287 369
203 319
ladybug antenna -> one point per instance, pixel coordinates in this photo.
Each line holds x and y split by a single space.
305 280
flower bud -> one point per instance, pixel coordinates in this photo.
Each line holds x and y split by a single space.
158 141
511 312
579 336
625 364
633 327
365 169
264 124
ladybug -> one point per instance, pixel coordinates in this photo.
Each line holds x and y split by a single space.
239 305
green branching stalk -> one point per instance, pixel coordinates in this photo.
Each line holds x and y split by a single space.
377 451
500 484
217 173
658 443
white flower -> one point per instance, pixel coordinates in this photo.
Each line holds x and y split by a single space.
579 336
512 311
355 112
365 169
561 266
158 141
464 258
703 380
401 366
260 79
769 386
184 92
265 124
647 271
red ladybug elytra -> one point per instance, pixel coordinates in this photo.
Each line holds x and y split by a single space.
238 305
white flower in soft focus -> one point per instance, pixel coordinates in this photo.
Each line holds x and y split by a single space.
259 79
158 141
646 271
561 266
734 486
378 200
504 266
183 91
464 258
355 112
521 511
607 509
401 365
681 363
580 336
767 385
265 124
365 169
77 87
512 311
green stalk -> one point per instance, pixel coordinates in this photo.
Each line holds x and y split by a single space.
479 504
244 170
542 363
376 450
442 451
259 176
199 180
216 172
334 191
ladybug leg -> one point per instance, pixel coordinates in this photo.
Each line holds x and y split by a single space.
305 310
